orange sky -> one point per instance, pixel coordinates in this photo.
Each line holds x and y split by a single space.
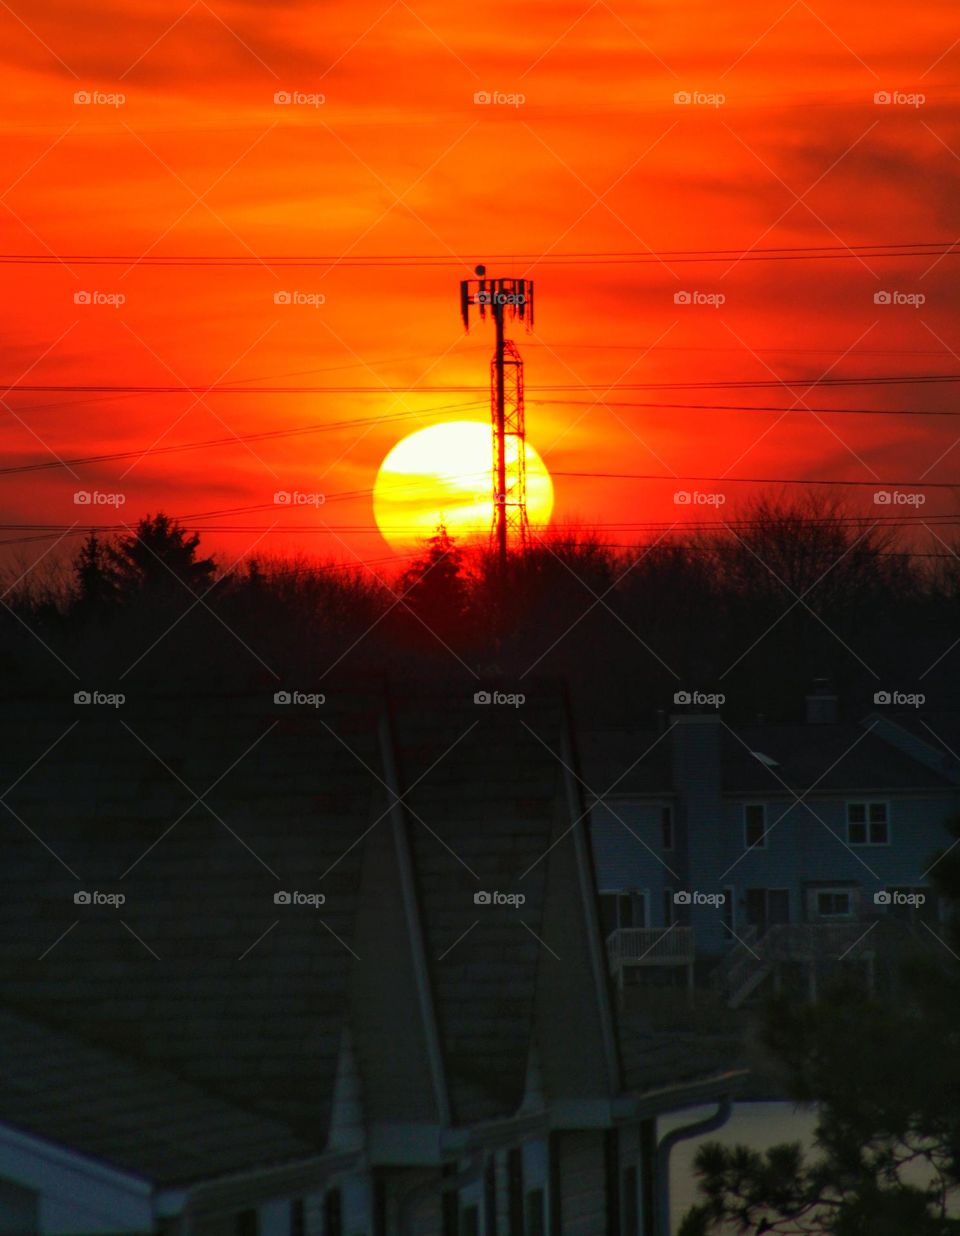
399 160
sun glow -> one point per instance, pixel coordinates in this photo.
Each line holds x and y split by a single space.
442 474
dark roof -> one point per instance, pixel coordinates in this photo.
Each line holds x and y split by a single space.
199 977
626 761
836 757
938 730
482 813
199 972
134 1117
654 1060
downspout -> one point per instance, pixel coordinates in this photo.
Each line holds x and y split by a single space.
667 1143
474 1171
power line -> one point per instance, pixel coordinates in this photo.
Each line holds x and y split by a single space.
738 407
885 523
719 383
232 440
902 249
761 480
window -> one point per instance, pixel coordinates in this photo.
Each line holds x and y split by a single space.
834 903
470 1221
729 912
535 1216
490 1198
515 1190
755 826
333 1213
667 907
246 1223
666 827
630 1224
450 1204
620 910
868 824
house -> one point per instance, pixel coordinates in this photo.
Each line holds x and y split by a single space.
761 845
328 965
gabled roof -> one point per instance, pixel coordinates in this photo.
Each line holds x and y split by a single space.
136 1118
838 758
481 811
761 758
198 811
199 971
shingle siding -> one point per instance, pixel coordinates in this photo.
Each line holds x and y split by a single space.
583 1180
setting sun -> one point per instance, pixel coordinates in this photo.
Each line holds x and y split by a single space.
442 475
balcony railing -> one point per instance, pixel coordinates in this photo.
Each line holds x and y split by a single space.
816 941
650 946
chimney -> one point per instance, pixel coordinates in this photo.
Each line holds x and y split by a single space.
822 703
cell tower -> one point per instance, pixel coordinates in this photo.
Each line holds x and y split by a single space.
505 299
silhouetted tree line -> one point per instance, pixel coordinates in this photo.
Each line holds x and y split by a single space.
883 1077
792 590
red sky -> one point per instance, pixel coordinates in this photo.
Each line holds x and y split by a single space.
399 160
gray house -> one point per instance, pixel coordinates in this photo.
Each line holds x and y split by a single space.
332 968
764 844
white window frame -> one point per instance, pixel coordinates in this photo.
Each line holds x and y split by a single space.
673 824
867 803
731 903
762 843
633 893
834 891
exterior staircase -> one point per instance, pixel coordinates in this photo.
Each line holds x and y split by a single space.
755 956
742 970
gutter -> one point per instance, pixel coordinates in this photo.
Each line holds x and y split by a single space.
652 1103
667 1143
189 1204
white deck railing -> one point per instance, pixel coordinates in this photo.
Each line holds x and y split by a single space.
816 941
650 946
